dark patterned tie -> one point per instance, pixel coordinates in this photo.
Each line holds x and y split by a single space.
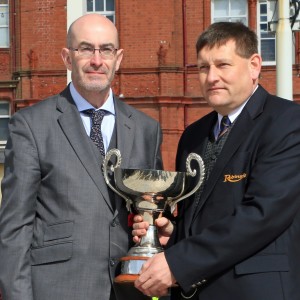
224 126
96 134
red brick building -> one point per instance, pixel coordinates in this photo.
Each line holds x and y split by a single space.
158 73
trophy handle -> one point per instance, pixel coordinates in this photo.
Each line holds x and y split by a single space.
107 157
190 172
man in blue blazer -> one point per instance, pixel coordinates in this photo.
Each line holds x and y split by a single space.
62 230
238 237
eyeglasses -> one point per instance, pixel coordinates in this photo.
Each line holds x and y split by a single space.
105 52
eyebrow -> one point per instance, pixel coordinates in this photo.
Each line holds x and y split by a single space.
216 61
91 45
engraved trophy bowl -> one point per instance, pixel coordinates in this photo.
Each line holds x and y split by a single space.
150 192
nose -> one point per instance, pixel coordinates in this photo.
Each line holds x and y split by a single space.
212 74
96 59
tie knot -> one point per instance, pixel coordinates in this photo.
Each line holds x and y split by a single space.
225 122
96 115
224 125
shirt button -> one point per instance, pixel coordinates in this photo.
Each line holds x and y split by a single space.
112 262
114 223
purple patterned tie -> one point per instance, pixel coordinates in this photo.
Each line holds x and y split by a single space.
224 126
96 134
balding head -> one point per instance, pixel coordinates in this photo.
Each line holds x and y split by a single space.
88 22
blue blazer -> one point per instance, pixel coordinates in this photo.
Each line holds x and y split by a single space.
243 243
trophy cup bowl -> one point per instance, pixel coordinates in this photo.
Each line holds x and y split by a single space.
150 192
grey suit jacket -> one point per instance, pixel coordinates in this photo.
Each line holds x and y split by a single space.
60 237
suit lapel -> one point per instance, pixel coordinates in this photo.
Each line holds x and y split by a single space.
240 130
71 125
125 131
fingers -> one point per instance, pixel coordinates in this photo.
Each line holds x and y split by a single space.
137 218
139 228
161 222
155 277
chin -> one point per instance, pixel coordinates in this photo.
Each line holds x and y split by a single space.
95 86
215 100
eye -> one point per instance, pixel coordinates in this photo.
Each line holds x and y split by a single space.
223 65
86 50
107 50
203 68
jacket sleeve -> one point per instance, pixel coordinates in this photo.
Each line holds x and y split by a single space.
158 158
19 193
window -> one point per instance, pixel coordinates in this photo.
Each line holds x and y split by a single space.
4 21
266 37
104 7
4 119
230 11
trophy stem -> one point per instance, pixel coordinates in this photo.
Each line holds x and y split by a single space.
151 240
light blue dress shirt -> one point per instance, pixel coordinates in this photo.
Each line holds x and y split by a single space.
108 121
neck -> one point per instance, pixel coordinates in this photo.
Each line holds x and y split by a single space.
95 98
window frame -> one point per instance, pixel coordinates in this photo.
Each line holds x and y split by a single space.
3 116
270 17
111 14
5 26
230 17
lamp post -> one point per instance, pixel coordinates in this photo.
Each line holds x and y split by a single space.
284 68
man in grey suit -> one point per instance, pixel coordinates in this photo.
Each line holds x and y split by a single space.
62 229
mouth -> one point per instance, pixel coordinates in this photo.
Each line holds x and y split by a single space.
214 89
95 72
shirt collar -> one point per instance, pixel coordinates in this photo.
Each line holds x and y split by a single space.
83 104
235 113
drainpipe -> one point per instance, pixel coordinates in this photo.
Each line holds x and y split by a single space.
184 47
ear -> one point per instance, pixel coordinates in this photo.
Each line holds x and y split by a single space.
255 62
65 54
119 58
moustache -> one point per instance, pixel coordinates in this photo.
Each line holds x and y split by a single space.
96 70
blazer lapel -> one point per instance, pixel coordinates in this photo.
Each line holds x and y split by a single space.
240 130
188 204
71 125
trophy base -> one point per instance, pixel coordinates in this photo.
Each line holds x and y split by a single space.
126 278
131 266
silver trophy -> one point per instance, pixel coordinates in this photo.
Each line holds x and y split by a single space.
150 193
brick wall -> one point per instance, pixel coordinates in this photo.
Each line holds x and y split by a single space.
157 74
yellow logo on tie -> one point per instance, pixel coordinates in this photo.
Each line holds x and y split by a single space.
234 178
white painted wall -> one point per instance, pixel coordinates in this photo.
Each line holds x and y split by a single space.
75 9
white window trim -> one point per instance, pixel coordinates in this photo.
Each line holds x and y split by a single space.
229 18
270 15
3 142
6 26
104 12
